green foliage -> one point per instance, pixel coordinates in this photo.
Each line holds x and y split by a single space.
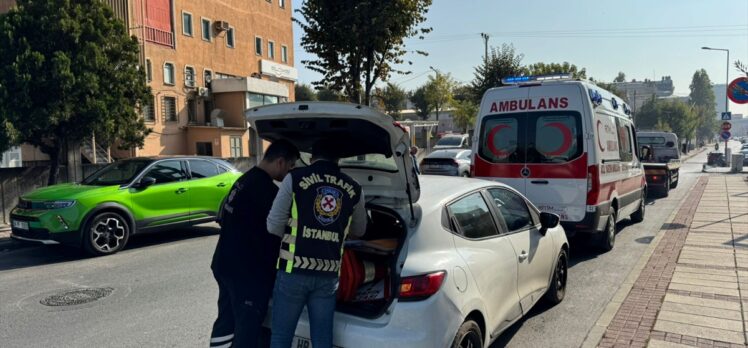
69 69
327 94
621 77
304 92
421 102
464 113
538 69
439 90
502 62
741 67
672 115
357 43
393 99
702 93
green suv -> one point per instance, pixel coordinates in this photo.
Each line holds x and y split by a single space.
126 197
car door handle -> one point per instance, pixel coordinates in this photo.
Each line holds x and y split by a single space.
181 190
523 256
540 182
221 184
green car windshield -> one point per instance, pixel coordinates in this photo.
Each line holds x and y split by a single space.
118 173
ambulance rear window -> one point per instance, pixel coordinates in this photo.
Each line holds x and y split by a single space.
539 137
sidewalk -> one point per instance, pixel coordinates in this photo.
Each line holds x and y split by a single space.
693 289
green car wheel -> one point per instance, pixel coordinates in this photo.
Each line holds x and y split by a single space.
106 233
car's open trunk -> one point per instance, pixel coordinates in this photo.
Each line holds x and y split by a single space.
380 248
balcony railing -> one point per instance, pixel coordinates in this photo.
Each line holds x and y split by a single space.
158 36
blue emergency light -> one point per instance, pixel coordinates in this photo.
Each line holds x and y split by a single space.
519 79
595 97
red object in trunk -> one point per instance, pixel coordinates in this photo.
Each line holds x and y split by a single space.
354 273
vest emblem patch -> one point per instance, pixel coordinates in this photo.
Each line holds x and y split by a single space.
327 205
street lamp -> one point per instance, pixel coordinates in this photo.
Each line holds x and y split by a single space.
727 80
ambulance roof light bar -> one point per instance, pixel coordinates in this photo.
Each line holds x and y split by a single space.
514 80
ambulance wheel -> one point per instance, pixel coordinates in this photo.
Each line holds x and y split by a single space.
665 190
468 336
638 215
608 236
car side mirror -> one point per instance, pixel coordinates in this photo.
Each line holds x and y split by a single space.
145 182
549 220
670 144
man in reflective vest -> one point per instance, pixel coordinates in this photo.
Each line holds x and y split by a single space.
317 207
245 257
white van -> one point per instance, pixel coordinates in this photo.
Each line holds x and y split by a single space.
568 145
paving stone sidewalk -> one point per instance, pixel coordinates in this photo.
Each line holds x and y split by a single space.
693 291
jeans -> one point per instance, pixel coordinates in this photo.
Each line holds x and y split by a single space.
292 292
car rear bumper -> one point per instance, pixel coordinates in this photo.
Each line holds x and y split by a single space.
593 221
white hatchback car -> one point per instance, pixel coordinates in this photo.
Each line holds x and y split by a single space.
471 256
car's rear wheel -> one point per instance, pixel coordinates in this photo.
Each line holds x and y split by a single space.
465 175
638 215
557 289
106 233
608 237
468 336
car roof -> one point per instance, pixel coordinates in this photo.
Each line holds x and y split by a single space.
437 190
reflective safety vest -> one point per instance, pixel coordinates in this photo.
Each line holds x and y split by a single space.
323 201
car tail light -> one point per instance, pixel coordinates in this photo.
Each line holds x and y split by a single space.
421 287
454 163
593 185
655 177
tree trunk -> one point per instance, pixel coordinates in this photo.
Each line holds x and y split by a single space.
54 168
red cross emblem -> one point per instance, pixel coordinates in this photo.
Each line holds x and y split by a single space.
329 203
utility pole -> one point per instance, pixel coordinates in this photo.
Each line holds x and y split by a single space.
485 44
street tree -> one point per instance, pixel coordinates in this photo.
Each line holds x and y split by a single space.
358 43
621 77
304 92
327 94
439 89
393 99
501 62
69 70
703 100
421 102
555 68
464 113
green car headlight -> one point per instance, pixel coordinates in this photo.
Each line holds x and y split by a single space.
57 204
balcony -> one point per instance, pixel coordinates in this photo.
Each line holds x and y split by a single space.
160 37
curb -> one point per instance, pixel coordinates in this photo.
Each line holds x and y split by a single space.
595 335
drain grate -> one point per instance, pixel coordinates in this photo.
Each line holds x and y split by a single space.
76 297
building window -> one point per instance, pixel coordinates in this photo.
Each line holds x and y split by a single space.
189 76
204 148
187 23
284 54
236 146
255 99
158 21
148 71
207 77
282 3
271 50
149 111
169 109
230 37
205 23
169 73
192 111
258 45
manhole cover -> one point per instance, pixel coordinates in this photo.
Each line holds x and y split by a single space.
76 297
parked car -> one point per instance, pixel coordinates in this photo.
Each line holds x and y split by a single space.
447 162
569 146
745 156
468 257
124 198
453 141
716 159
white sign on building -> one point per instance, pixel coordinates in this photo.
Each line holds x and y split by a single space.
278 70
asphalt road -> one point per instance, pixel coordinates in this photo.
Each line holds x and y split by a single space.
162 293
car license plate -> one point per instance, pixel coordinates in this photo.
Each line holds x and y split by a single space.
21 225
301 342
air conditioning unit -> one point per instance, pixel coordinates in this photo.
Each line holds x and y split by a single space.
203 92
222 25
189 83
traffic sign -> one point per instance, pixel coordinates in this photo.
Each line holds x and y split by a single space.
726 116
737 91
725 135
726 126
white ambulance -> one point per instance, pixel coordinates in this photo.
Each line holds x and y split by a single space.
569 146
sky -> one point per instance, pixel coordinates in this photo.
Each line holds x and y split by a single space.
646 39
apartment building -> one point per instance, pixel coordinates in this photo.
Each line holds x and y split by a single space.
206 62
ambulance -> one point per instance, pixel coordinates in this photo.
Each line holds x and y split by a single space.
566 144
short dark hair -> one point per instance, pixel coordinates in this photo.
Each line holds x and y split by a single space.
281 148
326 148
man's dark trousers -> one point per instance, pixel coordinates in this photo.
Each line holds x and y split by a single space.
242 307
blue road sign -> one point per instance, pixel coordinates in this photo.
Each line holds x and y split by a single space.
725 135
726 116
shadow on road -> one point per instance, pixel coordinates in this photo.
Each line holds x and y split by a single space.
16 255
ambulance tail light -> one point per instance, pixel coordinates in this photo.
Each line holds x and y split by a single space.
421 287
593 184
